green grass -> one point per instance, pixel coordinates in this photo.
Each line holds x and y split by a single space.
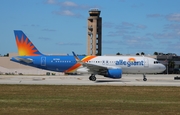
88 100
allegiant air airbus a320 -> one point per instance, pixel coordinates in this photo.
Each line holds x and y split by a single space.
108 66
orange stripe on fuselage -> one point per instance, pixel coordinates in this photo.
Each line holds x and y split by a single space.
77 65
74 67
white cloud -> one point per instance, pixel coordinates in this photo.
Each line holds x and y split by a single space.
67 12
173 17
125 25
108 25
118 33
68 8
69 4
51 1
170 17
172 26
162 36
178 33
141 26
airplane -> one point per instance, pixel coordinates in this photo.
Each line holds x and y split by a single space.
107 66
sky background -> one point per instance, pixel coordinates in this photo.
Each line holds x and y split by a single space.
60 26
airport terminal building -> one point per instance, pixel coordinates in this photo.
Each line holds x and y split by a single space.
171 61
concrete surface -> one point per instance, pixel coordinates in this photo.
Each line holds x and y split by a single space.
126 80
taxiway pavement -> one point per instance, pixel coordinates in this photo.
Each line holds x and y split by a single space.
126 80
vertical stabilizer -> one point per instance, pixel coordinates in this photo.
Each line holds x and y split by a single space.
24 45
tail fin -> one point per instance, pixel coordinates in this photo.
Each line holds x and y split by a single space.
24 45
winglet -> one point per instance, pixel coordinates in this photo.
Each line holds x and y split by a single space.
77 59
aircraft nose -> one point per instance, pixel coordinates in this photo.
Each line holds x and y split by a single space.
163 67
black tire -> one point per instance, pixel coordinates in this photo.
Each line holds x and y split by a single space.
93 78
145 79
90 78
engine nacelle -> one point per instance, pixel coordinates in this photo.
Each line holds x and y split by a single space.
114 73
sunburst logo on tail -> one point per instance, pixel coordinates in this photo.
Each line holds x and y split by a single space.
25 47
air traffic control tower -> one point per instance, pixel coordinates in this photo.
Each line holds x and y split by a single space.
94 39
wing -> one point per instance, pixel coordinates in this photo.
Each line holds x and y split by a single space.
94 68
99 69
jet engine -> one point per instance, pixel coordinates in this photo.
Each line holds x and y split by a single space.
113 73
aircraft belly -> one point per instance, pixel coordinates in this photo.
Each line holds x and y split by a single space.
136 70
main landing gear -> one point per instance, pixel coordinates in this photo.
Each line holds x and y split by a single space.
144 77
92 77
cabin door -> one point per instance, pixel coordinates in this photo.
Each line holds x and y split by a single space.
43 61
146 62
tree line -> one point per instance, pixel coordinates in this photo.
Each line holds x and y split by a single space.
142 53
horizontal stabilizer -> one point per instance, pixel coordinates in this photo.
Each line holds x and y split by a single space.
26 60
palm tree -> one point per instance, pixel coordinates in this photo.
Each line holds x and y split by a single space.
118 53
137 53
142 53
155 53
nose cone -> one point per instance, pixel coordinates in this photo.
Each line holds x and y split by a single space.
162 68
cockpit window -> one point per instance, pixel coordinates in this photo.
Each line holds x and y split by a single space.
156 62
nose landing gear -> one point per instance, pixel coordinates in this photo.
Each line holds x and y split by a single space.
144 77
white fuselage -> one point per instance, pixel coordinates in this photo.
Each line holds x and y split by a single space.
128 64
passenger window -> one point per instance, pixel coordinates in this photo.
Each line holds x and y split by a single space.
156 62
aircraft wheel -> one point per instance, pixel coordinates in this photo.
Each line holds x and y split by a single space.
145 79
90 78
93 78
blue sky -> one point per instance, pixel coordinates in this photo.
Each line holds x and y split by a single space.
60 26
